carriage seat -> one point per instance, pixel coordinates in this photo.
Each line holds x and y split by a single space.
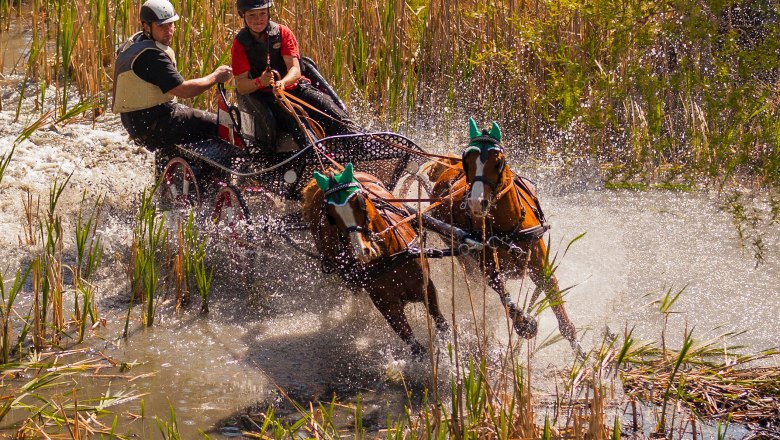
237 127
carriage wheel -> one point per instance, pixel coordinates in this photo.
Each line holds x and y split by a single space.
179 190
232 228
231 215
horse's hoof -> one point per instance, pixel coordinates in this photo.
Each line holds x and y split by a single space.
443 328
525 325
418 351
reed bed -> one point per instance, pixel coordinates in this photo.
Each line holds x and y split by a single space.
668 91
728 393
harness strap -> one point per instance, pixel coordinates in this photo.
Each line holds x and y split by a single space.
341 187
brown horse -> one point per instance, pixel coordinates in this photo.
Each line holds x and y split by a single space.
358 235
493 203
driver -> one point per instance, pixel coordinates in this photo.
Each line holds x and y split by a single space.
261 44
147 83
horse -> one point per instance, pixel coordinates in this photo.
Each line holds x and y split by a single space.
494 204
358 234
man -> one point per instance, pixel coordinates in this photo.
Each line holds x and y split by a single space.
147 83
258 50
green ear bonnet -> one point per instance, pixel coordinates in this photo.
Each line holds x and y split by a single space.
483 141
338 188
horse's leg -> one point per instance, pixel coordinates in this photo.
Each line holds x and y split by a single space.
524 324
548 284
392 308
433 309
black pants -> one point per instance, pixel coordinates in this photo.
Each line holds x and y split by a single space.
269 116
168 124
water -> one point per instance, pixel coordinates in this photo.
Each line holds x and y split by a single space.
289 327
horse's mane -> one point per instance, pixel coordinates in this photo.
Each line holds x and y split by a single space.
312 201
438 168
314 198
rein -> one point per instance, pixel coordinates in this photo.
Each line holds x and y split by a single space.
282 94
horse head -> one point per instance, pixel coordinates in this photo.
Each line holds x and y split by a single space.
346 207
484 162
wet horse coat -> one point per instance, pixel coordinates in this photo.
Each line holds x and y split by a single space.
497 203
362 241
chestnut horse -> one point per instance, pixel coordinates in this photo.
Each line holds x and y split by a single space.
502 208
357 234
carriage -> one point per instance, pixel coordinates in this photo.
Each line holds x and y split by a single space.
240 183
236 180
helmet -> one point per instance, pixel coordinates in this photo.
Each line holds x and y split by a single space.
248 5
158 11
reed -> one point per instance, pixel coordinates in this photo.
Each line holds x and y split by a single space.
194 245
613 79
149 243
7 300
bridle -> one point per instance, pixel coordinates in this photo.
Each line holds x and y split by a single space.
360 196
483 156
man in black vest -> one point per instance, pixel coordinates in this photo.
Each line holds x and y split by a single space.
146 84
261 44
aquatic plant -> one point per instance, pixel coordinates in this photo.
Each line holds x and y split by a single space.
7 300
149 243
194 245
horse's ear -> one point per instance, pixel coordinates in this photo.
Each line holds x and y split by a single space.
473 130
495 131
322 181
348 174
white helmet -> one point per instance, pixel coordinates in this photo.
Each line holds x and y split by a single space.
158 11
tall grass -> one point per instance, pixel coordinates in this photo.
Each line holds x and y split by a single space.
664 90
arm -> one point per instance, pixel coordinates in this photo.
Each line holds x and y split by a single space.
246 85
194 87
293 71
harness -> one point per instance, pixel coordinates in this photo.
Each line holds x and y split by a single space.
523 190
349 268
260 52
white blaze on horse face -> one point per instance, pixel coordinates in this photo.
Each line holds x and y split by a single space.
363 249
477 197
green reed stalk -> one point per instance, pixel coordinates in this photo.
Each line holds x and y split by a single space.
49 273
89 249
194 254
169 429
30 389
682 357
150 237
88 308
5 159
67 37
89 253
7 300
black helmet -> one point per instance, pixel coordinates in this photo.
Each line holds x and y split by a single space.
248 5
158 11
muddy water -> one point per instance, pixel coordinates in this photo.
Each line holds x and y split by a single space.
298 330
277 323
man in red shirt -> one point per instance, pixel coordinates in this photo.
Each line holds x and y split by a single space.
263 43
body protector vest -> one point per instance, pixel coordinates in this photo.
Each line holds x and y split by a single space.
130 91
257 51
